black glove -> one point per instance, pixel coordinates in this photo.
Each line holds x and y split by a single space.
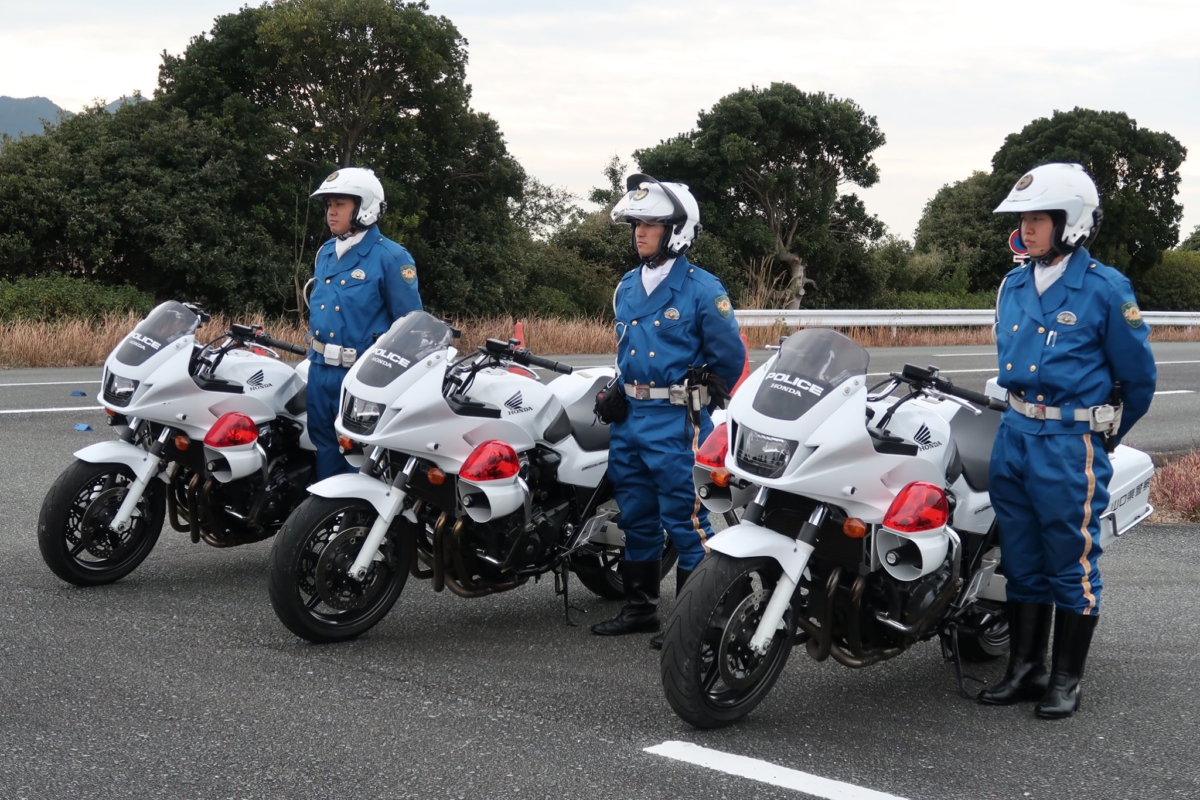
611 404
718 392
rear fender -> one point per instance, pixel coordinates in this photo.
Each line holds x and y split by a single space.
746 540
357 486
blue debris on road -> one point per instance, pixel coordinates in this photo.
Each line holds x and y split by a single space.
78 393
83 426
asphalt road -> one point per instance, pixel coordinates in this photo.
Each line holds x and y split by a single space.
179 681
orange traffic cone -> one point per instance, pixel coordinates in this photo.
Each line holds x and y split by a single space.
519 335
745 369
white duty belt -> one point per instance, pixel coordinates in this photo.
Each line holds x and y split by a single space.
1101 419
334 354
677 393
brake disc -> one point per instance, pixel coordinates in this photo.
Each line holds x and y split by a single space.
740 666
332 574
96 537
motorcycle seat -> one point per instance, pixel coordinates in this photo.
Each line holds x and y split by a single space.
299 402
589 433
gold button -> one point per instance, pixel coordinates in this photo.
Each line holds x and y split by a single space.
656 323
633 352
331 334
652 354
1008 366
1033 367
343 283
335 308
322 306
318 333
635 322
1014 327
327 280
1041 330
1041 398
651 383
691 270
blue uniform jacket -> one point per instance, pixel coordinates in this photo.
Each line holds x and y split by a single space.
358 296
686 321
1067 347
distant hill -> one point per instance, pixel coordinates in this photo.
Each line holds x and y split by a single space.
24 115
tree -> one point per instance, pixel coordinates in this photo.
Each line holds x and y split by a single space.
958 222
305 86
1136 172
1192 243
768 167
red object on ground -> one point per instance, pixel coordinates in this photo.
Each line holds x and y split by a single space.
519 334
745 369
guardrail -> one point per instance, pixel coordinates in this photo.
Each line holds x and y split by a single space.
915 317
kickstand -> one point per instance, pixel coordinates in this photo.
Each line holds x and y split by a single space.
562 585
950 652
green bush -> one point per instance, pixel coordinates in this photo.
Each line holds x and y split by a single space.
1172 285
936 300
60 296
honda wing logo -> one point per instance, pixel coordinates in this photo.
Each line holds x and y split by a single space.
258 381
924 438
516 404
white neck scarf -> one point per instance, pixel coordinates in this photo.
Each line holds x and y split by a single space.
344 245
653 276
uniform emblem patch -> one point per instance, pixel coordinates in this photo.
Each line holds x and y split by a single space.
1024 182
409 274
1067 318
1132 315
640 194
724 307
332 177
671 313
358 273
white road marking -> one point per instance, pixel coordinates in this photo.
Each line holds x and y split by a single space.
47 383
766 772
49 410
964 355
1175 391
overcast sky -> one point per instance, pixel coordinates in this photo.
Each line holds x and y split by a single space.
573 83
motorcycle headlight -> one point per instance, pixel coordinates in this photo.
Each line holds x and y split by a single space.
117 390
766 456
361 416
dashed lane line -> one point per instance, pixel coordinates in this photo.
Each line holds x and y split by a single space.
766 772
49 410
47 383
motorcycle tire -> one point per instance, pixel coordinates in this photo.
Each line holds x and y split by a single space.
710 676
309 584
986 644
73 535
600 573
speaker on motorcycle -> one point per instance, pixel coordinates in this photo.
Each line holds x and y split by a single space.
489 485
912 541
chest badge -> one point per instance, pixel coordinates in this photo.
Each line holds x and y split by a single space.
408 274
358 273
1067 318
671 313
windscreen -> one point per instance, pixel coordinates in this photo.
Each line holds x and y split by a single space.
166 323
410 339
810 363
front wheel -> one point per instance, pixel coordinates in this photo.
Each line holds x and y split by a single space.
73 528
310 585
710 675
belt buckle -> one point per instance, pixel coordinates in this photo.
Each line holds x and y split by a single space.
641 392
1036 411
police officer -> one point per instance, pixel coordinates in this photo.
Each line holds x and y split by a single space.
670 315
363 283
1068 330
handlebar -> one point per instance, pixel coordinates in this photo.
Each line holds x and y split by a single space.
928 376
521 355
255 333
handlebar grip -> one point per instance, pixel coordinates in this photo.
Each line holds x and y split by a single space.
972 397
279 345
545 363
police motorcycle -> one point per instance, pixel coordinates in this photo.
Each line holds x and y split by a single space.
473 474
211 436
866 529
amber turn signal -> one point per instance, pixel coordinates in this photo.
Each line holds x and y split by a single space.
182 442
435 476
854 527
720 477
346 443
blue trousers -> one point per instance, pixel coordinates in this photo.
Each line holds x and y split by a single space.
1048 493
650 464
324 392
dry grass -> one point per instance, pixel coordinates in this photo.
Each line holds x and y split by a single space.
83 343
1175 490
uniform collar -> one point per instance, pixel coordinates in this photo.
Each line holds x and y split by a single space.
370 238
641 304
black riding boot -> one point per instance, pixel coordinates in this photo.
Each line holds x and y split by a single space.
681 576
1072 639
640 614
1028 636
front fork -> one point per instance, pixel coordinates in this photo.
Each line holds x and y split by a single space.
781 596
143 475
370 548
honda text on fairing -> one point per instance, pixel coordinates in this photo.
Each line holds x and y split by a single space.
211 436
472 474
866 527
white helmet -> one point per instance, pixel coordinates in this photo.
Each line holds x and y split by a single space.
669 203
1070 196
360 184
